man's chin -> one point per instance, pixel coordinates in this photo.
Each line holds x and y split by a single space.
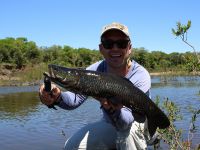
116 64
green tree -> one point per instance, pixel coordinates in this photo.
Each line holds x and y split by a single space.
140 55
32 51
181 31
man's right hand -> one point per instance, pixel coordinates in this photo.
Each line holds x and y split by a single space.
49 98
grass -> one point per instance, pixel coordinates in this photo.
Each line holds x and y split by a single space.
30 75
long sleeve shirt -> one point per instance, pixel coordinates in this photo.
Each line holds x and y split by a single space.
122 119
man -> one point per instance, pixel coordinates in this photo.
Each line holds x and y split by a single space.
118 128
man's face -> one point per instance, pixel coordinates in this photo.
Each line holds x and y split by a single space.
116 48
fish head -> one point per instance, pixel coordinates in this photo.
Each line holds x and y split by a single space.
64 77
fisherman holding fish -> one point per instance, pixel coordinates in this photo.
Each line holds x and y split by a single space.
118 128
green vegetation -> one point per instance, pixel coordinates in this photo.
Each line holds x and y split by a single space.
173 136
181 32
21 52
26 61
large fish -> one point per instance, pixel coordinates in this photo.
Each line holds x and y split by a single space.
115 88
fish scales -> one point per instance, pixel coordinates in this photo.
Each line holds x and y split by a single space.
115 88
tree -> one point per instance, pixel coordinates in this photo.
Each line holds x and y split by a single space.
181 32
32 51
140 55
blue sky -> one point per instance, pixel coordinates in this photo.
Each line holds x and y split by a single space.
78 23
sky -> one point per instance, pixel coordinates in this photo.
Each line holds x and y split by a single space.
78 23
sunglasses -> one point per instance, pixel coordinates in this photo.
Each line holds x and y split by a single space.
108 44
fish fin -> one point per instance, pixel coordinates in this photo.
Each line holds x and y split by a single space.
159 120
163 121
151 126
139 117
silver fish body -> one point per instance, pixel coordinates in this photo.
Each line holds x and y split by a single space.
115 88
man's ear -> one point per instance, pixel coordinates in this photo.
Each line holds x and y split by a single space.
130 49
100 48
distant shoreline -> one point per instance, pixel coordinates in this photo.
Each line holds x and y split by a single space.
16 81
171 73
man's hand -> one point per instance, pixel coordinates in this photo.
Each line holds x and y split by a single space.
49 98
106 104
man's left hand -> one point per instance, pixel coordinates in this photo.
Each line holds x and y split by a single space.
106 104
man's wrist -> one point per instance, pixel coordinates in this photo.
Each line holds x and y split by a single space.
58 100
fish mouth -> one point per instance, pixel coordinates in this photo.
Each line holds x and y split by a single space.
46 74
53 72
58 72
62 76
52 76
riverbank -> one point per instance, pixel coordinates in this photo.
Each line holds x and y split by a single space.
174 73
16 81
30 75
33 75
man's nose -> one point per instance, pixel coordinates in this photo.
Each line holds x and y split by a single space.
115 47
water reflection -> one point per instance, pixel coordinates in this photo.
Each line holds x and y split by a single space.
27 124
17 89
18 105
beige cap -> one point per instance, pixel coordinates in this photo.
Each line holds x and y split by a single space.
116 26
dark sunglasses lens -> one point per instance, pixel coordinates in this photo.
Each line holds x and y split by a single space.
108 44
122 43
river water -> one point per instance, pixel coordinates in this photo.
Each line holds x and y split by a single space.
27 124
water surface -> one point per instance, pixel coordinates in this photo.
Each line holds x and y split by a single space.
27 124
